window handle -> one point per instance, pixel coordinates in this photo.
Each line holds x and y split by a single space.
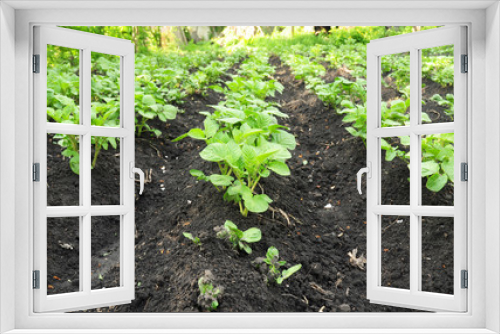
135 170
368 171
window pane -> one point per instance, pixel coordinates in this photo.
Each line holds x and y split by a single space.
105 84
105 235
437 254
395 174
396 252
63 169
63 255
105 171
395 89
437 84
63 85
438 169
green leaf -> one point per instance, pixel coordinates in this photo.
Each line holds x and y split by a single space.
170 111
449 168
436 182
390 155
445 153
426 118
74 163
279 168
384 144
285 139
352 131
266 154
248 154
221 180
275 111
405 140
239 189
180 138
272 252
157 132
257 203
230 120
196 133
188 235
429 168
198 174
252 132
230 225
215 152
245 247
289 272
148 100
233 152
265 172
112 141
252 235
211 127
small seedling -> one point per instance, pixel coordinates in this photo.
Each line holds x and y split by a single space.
271 265
209 295
195 240
239 239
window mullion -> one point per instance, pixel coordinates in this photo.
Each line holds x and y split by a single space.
414 170
85 171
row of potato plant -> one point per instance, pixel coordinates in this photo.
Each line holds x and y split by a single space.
349 98
270 265
162 82
243 136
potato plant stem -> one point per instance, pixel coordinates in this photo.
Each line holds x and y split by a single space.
74 143
96 153
255 182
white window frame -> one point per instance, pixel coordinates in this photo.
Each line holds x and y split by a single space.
414 296
85 297
484 51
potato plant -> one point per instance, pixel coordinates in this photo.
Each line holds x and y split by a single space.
245 140
194 239
209 296
240 239
271 265
438 160
448 103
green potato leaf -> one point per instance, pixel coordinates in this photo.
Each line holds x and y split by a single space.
429 168
215 152
257 203
221 180
279 168
287 273
252 235
436 182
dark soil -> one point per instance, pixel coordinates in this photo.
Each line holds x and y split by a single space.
317 218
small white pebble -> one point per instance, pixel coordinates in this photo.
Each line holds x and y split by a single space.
189 202
328 206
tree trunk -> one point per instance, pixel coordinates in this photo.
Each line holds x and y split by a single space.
164 32
180 35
